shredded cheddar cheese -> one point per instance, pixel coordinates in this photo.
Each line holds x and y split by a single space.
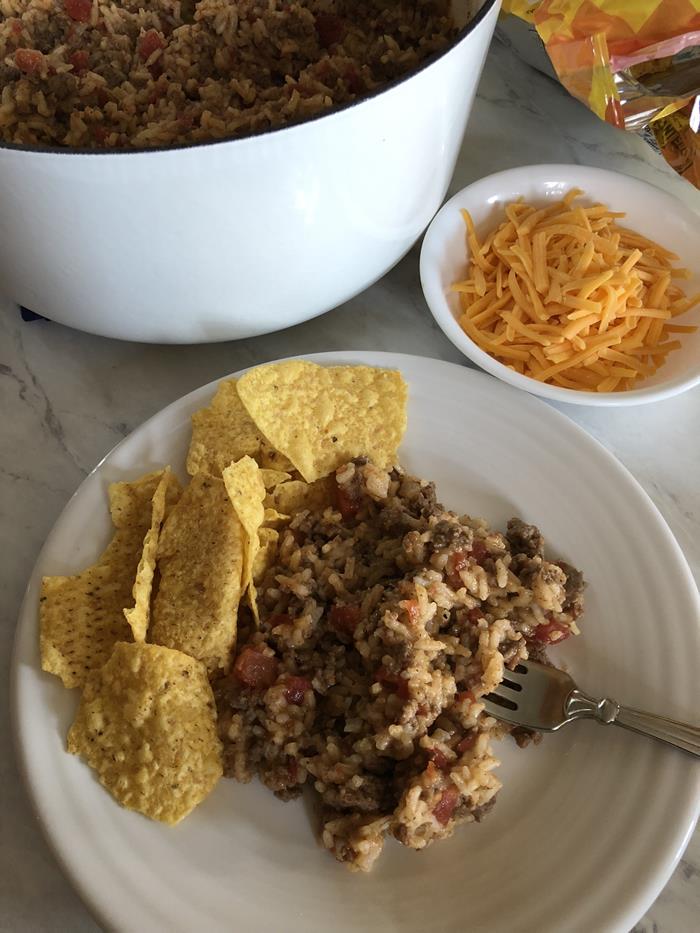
565 295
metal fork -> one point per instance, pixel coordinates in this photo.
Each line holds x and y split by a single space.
545 698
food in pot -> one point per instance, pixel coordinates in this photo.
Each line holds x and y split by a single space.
143 73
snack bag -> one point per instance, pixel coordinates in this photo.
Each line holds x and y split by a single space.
634 63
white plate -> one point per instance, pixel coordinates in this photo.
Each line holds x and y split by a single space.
650 211
588 826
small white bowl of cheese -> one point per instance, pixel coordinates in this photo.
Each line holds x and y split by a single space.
573 314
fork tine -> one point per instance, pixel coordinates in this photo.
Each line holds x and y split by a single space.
538 693
501 712
517 676
508 693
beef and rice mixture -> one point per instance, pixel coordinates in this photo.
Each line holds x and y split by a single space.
384 622
121 73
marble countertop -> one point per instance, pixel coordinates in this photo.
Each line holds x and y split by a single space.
66 398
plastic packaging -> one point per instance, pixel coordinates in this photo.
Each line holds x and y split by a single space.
634 63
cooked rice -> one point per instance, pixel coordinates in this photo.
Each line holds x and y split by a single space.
98 74
384 623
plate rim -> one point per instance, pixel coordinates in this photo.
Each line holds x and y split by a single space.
633 906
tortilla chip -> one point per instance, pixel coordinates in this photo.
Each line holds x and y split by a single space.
225 432
222 433
200 560
321 417
296 496
147 725
166 495
82 617
272 459
272 478
246 491
273 517
267 552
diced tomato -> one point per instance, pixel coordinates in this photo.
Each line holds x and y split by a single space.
474 615
156 94
15 26
279 618
149 43
80 61
99 133
412 610
354 81
347 503
255 669
446 805
464 696
393 681
438 758
28 60
79 10
295 689
457 561
330 29
551 633
344 619
292 769
469 741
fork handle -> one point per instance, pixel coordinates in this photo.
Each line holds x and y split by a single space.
680 734
606 711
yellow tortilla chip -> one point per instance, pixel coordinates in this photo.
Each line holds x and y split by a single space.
272 478
222 433
225 432
82 617
273 517
267 552
246 491
147 725
166 495
200 560
296 496
272 459
320 417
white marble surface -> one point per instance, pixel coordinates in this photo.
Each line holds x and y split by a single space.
67 398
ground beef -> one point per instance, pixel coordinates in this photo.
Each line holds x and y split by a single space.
228 67
525 539
574 587
451 535
383 624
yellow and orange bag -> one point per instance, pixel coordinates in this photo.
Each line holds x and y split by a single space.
634 63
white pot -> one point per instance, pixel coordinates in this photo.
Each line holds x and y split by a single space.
231 239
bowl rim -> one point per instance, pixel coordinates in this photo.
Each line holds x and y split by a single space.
462 35
444 317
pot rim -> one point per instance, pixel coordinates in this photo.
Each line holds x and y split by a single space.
462 35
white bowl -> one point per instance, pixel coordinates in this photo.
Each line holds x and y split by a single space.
225 240
650 211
